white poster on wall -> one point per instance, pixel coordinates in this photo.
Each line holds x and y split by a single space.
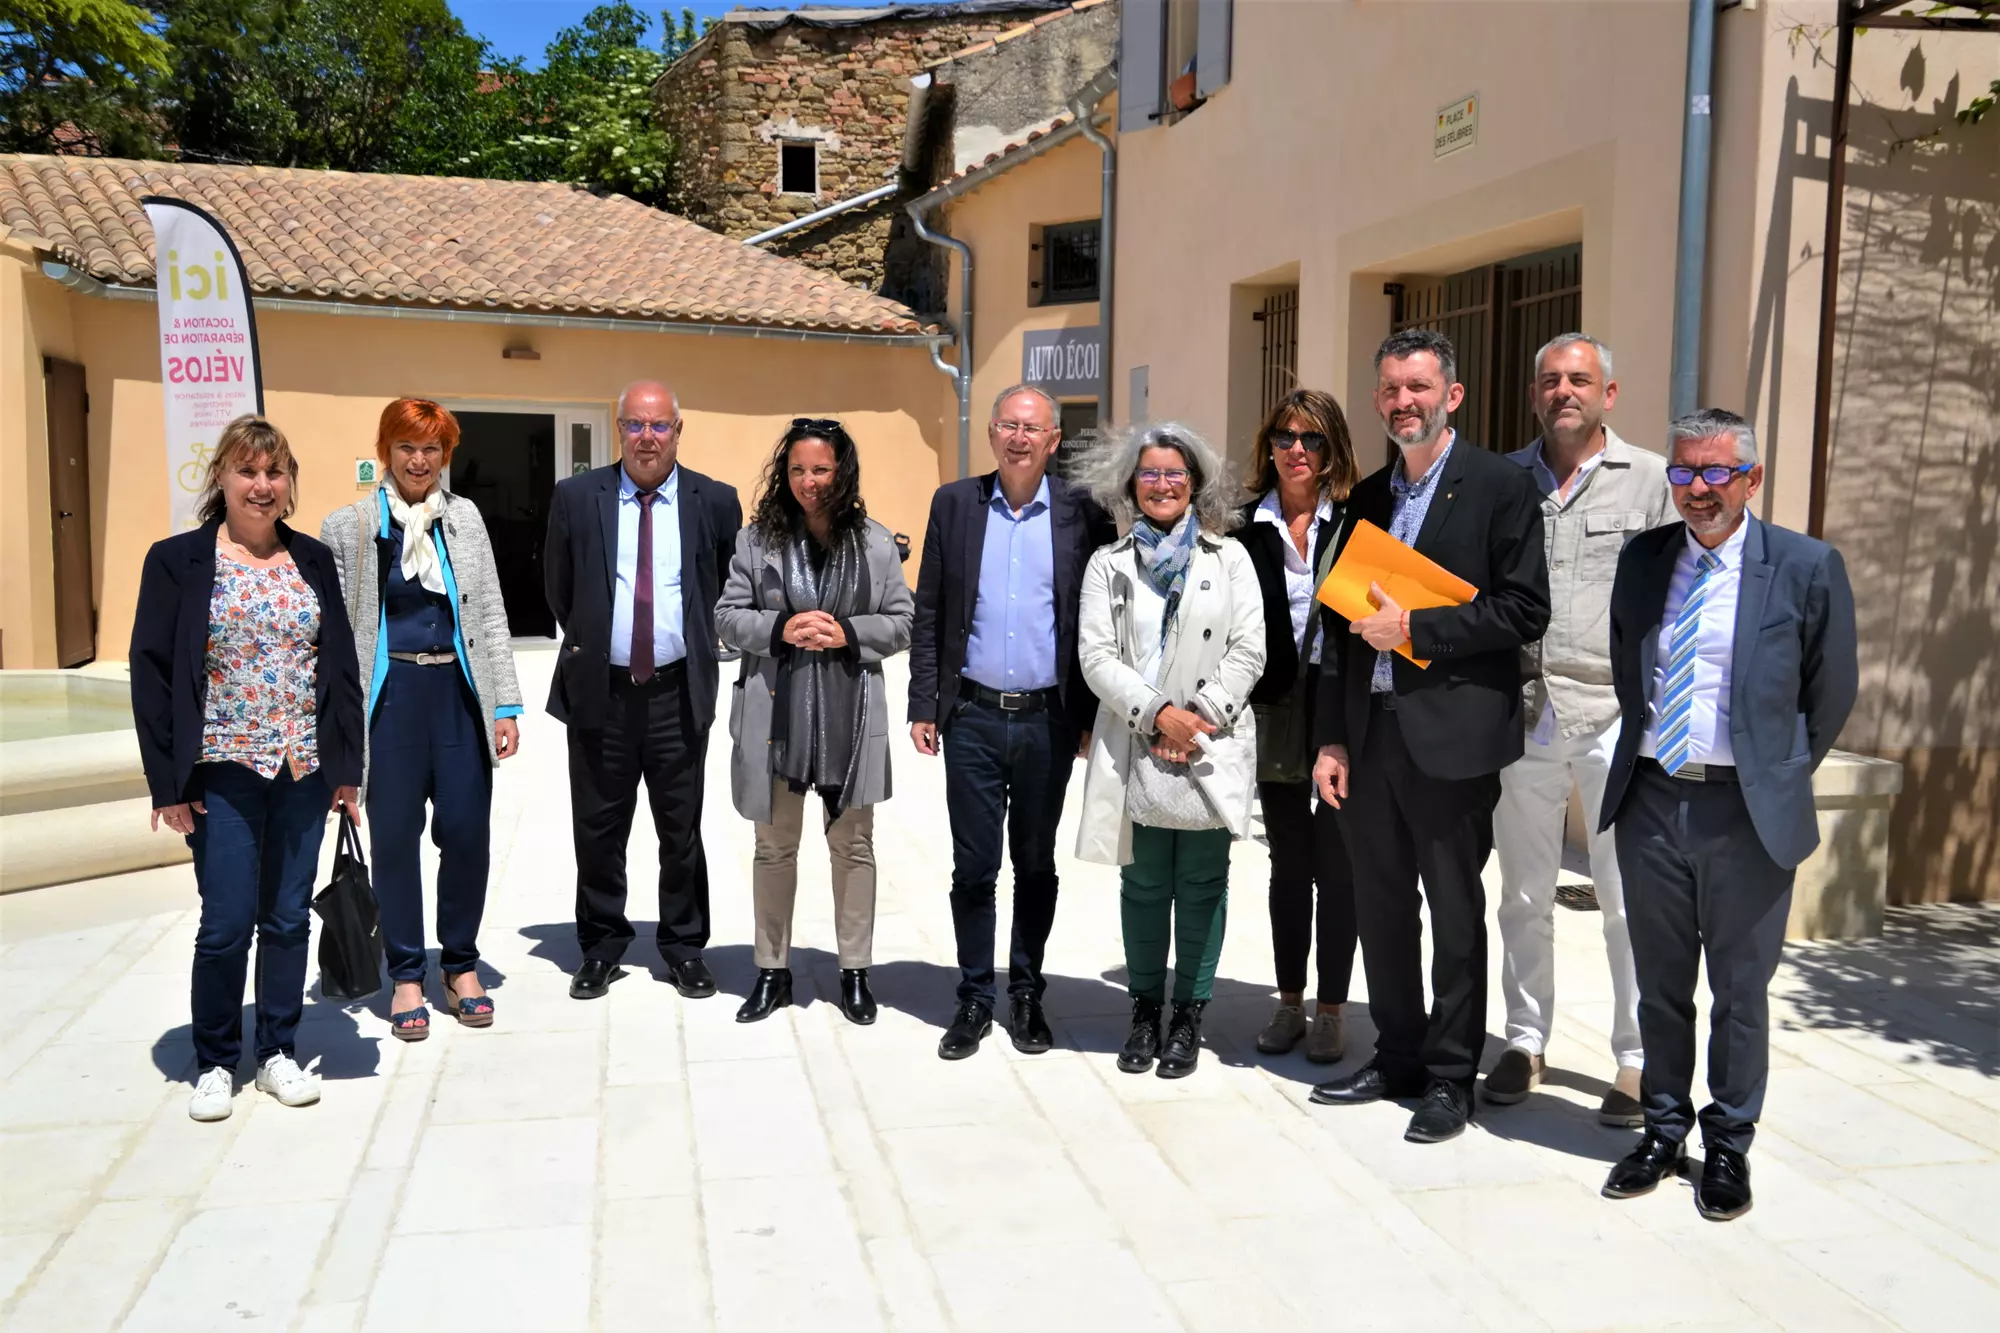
209 371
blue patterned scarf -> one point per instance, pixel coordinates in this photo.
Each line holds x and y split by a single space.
1164 557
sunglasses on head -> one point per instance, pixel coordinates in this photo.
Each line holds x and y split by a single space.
1313 440
1715 474
818 425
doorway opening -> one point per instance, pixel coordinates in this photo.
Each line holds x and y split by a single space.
69 510
508 462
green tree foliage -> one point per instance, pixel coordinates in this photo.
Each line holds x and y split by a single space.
78 73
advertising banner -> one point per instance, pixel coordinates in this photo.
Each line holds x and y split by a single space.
209 370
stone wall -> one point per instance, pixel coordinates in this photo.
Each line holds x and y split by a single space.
745 89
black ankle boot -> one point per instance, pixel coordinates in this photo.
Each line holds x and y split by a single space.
772 992
1183 1048
1144 1043
856 1000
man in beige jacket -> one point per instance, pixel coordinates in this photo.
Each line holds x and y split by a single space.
1598 493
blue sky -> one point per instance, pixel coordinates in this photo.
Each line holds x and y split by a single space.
524 27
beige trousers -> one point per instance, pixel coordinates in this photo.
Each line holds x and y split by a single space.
774 880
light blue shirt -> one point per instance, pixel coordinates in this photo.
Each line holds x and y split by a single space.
669 638
1411 501
1013 641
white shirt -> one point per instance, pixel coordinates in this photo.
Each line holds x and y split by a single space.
1298 571
669 639
1709 723
1149 625
1545 477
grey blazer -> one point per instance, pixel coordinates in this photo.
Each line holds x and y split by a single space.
353 533
1793 673
746 618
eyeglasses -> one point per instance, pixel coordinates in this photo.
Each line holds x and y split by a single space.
1155 476
635 429
1715 474
819 425
1313 440
1022 428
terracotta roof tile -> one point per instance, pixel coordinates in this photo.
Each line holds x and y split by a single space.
1027 138
435 241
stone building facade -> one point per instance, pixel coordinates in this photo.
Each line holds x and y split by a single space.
819 97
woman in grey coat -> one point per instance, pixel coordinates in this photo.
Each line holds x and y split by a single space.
430 635
815 601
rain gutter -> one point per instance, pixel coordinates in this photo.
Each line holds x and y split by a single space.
815 218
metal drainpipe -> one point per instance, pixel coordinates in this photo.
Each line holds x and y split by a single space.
963 375
1106 232
1691 256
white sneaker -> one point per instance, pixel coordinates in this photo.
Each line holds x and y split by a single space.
282 1078
212 1092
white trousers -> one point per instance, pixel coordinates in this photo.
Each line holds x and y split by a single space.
1528 833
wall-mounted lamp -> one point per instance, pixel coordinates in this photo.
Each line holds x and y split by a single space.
521 354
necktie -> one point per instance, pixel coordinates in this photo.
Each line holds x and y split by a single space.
1677 699
642 592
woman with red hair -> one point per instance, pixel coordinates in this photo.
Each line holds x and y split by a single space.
437 670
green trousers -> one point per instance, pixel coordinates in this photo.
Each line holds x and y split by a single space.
1177 888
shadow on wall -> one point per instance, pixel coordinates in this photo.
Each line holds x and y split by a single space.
1914 491
1930 983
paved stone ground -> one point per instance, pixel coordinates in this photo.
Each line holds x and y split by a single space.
643 1162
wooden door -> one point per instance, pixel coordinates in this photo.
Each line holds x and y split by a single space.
69 511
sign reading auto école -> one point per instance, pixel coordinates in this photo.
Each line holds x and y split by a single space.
1457 126
1063 361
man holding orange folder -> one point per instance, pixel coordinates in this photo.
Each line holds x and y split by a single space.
1421 715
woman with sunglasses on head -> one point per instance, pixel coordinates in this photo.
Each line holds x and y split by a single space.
1304 467
815 601
1171 639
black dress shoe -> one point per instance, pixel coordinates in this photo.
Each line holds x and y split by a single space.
969 1027
1366 1084
1641 1170
1183 1048
1144 1043
856 1000
593 979
692 978
772 992
1724 1192
1442 1114
1028 1027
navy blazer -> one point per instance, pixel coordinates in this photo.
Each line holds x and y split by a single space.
169 659
948 585
580 573
1793 673
1462 715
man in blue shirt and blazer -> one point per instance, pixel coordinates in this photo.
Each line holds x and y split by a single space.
633 567
995 683
1733 655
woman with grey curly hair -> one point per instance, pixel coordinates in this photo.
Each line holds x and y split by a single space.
1171 639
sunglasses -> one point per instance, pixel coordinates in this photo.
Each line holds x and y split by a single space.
1313 440
818 425
1715 474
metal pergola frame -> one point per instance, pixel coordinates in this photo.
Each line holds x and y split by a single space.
1854 14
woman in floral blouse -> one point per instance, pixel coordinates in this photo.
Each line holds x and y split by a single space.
248 708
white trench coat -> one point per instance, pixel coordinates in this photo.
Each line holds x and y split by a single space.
1214 656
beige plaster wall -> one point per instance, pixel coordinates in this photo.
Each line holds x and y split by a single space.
34 323
1062 185
327 378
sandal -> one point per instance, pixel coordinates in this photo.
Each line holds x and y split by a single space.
474 1011
411 1024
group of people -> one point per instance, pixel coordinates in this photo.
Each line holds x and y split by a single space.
1156 618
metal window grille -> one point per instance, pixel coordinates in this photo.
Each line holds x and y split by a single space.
1498 316
1069 262
1280 367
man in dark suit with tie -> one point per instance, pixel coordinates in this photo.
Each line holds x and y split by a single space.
633 567
1733 654
1411 756
995 683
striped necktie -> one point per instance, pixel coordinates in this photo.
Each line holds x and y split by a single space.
1677 701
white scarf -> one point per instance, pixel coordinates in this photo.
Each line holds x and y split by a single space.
420 554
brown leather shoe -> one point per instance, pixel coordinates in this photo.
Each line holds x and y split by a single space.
1515 1076
1327 1042
1286 1029
1620 1108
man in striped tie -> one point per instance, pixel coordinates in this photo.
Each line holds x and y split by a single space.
1733 655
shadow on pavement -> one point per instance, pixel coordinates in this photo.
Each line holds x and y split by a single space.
327 1033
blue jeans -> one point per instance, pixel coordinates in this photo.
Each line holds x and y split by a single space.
1004 773
428 745
256 852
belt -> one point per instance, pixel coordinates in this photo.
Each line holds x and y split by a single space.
445 658
1694 772
671 671
1025 701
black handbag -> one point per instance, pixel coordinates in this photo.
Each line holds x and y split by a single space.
350 937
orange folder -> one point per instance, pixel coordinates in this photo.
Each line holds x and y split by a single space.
1412 581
